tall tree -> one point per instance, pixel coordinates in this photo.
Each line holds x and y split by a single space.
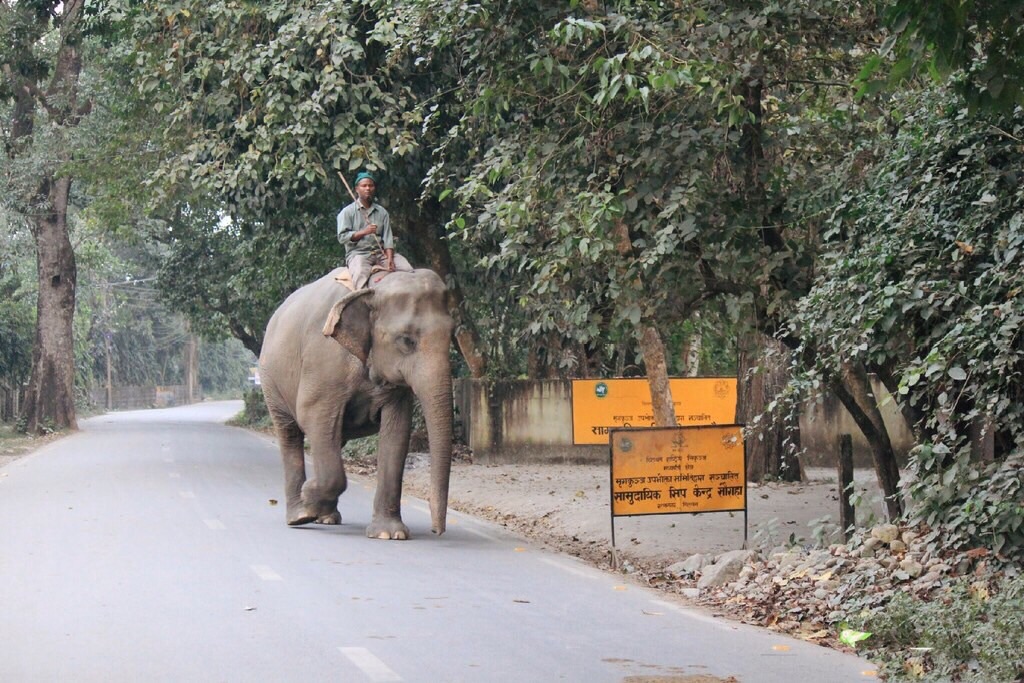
267 104
41 62
698 128
921 284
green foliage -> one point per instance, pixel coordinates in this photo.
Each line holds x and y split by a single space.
981 45
229 277
973 631
224 367
922 282
17 327
969 504
255 413
261 107
266 102
603 161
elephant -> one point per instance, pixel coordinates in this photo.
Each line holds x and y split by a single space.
338 365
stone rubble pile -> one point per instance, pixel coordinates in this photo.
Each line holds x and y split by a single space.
806 591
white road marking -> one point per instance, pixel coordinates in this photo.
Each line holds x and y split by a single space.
572 570
215 524
721 624
265 572
186 494
174 475
482 534
369 664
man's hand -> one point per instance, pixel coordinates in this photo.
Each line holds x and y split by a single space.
368 230
389 260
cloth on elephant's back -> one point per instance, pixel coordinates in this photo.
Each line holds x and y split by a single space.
344 277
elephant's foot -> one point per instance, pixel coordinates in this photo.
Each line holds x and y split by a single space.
329 518
323 513
297 513
388 530
300 519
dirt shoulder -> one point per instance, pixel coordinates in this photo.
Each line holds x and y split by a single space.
14 445
567 508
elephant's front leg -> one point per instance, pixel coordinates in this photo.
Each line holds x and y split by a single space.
393 446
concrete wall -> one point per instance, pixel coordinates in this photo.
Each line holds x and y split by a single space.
531 421
825 419
520 421
131 398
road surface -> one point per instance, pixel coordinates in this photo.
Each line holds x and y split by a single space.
148 547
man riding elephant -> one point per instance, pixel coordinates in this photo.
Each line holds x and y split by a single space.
364 227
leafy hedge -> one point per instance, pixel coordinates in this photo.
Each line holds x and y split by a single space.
922 281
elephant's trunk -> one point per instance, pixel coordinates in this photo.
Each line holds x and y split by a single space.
437 414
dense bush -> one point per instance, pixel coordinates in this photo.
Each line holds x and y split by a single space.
973 632
255 413
921 282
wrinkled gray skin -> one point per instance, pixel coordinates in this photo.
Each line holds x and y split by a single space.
386 344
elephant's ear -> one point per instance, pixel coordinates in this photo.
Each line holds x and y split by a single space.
349 323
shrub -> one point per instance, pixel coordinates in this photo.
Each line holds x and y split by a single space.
974 631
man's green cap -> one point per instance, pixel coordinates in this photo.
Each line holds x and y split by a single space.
363 175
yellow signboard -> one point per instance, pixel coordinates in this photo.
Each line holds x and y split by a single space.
599 406
678 469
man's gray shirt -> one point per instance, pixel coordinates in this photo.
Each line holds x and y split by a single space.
351 220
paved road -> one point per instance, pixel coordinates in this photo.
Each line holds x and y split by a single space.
145 548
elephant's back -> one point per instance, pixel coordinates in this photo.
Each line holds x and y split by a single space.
305 309
296 329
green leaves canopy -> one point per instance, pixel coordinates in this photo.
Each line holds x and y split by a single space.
922 280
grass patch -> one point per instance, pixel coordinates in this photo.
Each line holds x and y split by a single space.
14 444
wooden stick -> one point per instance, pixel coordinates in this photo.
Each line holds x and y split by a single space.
350 192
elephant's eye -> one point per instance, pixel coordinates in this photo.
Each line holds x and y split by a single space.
405 343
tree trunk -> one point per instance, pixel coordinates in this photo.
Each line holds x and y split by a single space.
192 366
652 349
691 351
440 260
774 437
50 398
657 376
854 391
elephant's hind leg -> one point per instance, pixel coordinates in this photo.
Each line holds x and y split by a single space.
320 493
290 439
